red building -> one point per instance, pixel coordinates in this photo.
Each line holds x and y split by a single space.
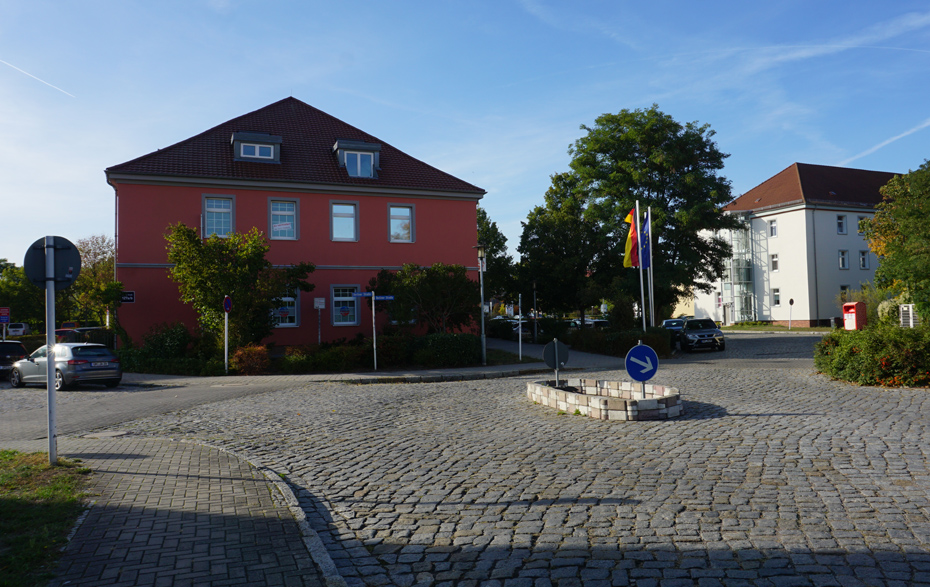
321 190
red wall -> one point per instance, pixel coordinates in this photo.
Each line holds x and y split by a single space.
445 231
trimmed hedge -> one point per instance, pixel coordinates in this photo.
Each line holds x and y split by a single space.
884 355
618 344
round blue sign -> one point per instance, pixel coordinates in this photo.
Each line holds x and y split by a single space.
642 363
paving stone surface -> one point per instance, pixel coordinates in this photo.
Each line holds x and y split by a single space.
174 514
775 476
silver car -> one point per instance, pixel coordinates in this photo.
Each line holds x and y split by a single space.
75 362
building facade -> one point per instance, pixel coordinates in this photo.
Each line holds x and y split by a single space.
800 248
321 190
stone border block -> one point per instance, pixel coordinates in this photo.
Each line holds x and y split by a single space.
608 400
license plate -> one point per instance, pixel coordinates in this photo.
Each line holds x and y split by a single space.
99 364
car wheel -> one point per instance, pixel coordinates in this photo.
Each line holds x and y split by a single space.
111 382
16 378
60 384
722 346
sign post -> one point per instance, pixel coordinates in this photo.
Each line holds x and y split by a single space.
4 319
54 263
227 308
320 305
555 354
641 364
374 332
790 306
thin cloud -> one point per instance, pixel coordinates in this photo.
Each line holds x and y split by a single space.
35 78
882 144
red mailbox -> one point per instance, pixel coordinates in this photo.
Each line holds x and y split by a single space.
854 316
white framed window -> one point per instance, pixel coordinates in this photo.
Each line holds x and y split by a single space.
282 218
286 312
840 224
773 228
344 221
863 259
844 259
773 262
401 223
359 163
345 305
256 151
218 216
776 296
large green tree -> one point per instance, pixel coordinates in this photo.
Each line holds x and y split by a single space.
562 247
25 300
499 276
673 168
440 296
95 291
900 235
207 270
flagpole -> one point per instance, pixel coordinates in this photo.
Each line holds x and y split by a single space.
652 303
639 256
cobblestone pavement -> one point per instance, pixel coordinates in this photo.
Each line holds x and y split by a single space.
776 476
173 514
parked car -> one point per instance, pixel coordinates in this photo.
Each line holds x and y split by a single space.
673 325
75 363
18 329
701 333
10 352
68 335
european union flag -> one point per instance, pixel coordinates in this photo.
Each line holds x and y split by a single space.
646 240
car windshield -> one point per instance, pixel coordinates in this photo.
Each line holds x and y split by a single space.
673 323
699 324
90 351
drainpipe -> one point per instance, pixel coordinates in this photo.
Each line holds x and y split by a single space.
816 281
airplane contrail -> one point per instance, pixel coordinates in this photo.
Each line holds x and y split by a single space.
885 143
35 78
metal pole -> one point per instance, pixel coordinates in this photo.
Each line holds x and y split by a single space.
639 257
484 342
520 326
319 326
374 333
536 317
652 303
50 345
226 341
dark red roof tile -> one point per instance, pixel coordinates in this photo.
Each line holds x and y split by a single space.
306 154
821 184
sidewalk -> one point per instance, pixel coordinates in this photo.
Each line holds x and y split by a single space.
577 361
176 513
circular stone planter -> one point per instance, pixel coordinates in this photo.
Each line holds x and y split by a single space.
607 400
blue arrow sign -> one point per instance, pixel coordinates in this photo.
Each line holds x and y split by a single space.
642 363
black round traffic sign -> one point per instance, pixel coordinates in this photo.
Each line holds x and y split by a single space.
67 262
555 354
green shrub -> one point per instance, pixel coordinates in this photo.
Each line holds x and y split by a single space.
251 360
550 328
883 355
167 341
618 344
500 329
442 350
395 350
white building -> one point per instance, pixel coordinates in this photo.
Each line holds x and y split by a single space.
800 249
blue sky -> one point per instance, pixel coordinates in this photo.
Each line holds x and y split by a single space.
492 91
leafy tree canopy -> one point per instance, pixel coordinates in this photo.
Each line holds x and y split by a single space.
900 235
498 278
441 296
671 167
95 291
207 270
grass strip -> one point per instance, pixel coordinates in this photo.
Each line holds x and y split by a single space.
39 504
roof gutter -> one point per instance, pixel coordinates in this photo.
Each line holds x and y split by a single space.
292 186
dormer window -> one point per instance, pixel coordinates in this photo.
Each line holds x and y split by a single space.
359 164
258 151
360 159
257 147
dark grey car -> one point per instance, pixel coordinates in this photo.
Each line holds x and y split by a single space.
673 325
10 352
75 362
701 333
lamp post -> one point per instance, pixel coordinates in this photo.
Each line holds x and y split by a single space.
535 314
484 344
